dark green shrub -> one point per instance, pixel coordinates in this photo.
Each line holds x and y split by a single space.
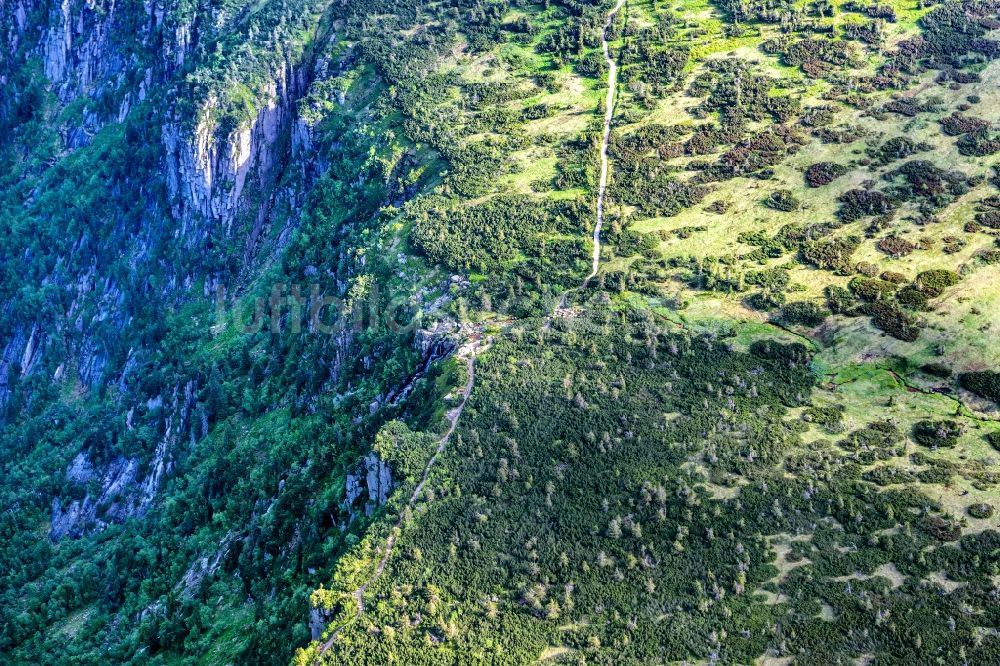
774 279
912 298
937 474
993 439
984 383
933 282
886 475
817 116
840 300
991 256
840 135
989 218
857 204
978 144
771 349
810 51
941 528
898 323
871 289
591 65
877 434
884 12
897 148
957 124
803 313
782 200
893 277
765 300
830 418
980 510
936 369
923 180
832 253
942 434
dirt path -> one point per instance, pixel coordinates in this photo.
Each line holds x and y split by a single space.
468 352
609 111
473 348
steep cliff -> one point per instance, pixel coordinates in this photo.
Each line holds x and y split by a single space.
161 182
121 74
123 487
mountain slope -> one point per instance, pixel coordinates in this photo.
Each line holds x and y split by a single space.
301 361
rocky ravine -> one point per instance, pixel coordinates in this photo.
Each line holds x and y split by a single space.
89 50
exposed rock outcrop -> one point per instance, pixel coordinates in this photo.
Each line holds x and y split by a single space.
318 619
371 482
85 48
207 174
214 179
125 488
433 343
204 567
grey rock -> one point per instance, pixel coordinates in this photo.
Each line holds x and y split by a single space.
371 482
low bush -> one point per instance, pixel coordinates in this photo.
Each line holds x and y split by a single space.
803 313
942 529
936 369
872 289
988 214
984 383
887 475
896 246
832 253
980 510
978 144
840 300
782 200
912 298
897 148
765 300
857 204
941 434
957 124
932 283
866 268
875 435
993 439
898 323
824 173
989 218
830 418
939 475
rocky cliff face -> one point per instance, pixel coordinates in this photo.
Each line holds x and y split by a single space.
113 55
76 49
113 59
207 174
103 55
116 55
121 488
227 454
211 180
107 50
370 484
